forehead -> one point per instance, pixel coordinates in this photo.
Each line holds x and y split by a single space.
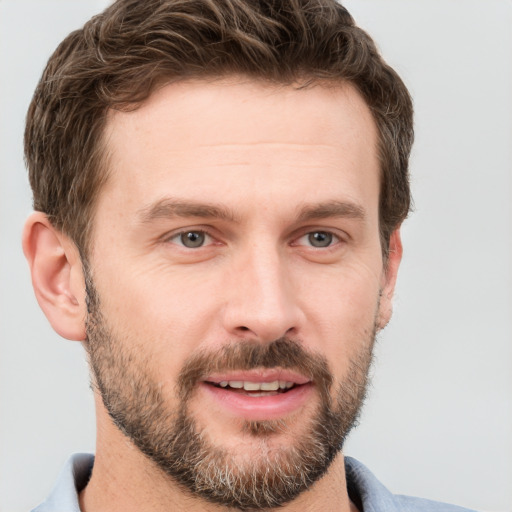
236 110
226 140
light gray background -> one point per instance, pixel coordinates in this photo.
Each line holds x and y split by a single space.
439 419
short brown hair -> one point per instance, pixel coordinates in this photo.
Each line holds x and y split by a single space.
120 56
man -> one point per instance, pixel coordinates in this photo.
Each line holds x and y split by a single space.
219 188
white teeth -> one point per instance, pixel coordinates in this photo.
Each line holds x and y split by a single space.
256 386
269 386
252 386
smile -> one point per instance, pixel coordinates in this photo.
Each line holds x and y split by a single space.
258 395
256 389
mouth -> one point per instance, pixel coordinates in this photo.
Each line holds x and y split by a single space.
255 389
259 395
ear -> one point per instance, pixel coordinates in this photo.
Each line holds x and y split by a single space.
57 276
389 276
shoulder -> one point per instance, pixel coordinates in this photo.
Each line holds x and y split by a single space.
371 495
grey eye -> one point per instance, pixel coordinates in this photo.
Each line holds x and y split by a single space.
193 239
320 239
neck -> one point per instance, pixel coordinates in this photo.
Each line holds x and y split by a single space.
123 479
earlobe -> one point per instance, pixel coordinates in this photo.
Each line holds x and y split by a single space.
57 276
389 279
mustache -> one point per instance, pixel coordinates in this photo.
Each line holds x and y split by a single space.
282 353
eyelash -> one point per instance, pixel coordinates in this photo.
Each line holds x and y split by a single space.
332 238
180 234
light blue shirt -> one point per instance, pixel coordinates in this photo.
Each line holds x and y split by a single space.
365 490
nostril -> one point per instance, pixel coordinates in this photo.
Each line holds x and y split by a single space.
243 328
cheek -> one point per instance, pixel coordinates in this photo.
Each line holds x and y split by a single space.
345 294
167 315
147 294
342 311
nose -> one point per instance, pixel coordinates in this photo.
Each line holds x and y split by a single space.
262 304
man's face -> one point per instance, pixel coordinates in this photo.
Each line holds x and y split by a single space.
235 280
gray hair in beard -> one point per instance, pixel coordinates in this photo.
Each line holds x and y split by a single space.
181 448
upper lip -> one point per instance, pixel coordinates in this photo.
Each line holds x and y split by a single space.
258 375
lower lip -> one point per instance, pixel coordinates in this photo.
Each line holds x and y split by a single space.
260 408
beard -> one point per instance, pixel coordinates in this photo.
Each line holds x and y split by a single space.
271 475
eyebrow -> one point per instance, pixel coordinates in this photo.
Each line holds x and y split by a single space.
331 209
169 208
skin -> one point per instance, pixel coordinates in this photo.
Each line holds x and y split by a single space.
264 154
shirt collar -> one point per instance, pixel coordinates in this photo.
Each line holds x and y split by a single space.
72 479
364 489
